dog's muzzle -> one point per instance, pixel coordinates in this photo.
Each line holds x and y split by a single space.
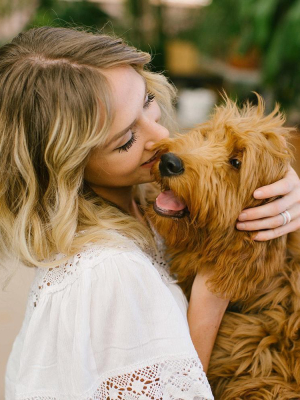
170 165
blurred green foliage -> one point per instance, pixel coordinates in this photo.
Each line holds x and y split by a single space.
272 27
137 12
69 13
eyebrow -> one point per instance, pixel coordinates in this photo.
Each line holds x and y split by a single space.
122 133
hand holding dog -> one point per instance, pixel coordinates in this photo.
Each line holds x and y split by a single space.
267 217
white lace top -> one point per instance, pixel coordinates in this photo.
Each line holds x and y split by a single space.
109 324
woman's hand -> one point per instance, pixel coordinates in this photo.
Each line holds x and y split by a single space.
205 313
269 216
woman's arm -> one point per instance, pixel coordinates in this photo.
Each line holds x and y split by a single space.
267 218
205 313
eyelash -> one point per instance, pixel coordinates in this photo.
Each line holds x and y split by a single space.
126 146
130 142
151 97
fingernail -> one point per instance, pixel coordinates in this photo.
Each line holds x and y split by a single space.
258 193
255 237
242 216
241 226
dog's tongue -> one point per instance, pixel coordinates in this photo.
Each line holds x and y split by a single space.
168 201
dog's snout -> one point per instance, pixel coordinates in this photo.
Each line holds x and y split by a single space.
170 165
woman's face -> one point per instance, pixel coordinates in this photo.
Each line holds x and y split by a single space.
124 159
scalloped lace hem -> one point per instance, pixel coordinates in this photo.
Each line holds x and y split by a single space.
173 379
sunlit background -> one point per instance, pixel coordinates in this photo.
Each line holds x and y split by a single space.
202 46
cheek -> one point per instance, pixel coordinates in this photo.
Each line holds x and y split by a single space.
98 169
116 167
121 165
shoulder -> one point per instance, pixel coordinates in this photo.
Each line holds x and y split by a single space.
102 262
114 286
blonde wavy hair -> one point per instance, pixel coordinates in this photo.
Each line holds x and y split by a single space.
53 96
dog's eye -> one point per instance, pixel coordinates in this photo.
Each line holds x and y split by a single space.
236 163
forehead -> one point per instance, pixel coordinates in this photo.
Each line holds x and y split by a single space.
126 84
127 96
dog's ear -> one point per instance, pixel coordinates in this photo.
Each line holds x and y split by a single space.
244 266
240 266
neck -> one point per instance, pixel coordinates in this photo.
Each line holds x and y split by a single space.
122 198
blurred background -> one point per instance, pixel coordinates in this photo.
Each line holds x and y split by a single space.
202 46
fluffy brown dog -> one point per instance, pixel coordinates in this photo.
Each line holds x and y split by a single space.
208 177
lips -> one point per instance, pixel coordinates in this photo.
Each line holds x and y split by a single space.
151 159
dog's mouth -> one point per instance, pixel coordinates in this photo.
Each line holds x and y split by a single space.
167 204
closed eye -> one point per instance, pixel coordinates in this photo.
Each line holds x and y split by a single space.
127 145
149 99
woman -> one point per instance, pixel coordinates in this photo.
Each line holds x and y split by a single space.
79 114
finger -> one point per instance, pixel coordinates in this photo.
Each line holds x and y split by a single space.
275 233
279 188
270 209
268 223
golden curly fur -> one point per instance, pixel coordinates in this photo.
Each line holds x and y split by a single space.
257 351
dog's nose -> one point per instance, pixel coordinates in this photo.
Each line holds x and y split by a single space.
170 165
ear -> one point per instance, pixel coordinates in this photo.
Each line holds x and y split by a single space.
244 266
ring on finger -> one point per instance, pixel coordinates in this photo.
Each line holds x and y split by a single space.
286 217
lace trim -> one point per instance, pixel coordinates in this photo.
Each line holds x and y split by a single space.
158 260
175 379
69 271
52 276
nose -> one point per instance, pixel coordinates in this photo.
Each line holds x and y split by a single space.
152 128
157 133
170 165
